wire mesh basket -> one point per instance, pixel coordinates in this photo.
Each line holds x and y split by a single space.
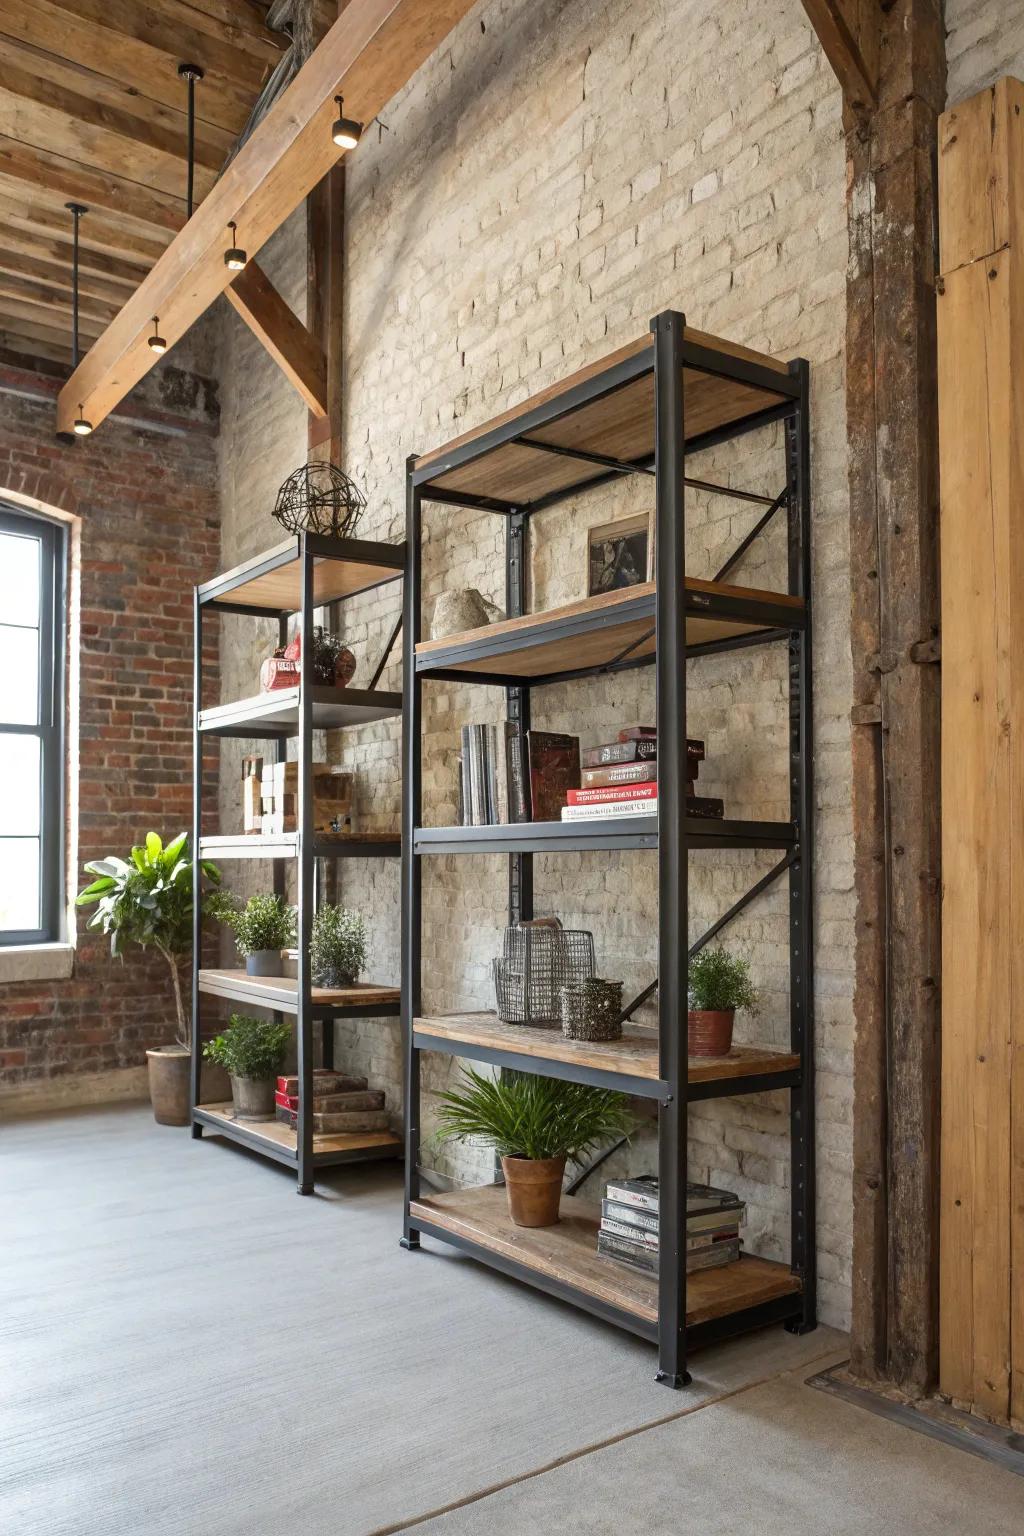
537 962
592 1009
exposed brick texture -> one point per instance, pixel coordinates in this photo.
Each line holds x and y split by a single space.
984 40
145 528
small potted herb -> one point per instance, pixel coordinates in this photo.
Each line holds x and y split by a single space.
252 1050
719 984
337 950
262 928
535 1124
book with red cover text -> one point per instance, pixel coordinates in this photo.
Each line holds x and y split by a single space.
553 763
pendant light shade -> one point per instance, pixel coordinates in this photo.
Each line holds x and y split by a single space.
345 132
81 426
156 342
234 258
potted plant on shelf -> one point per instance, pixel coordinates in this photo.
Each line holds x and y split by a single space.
252 1050
337 949
719 984
147 900
262 928
535 1124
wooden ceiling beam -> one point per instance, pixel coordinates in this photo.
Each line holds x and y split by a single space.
372 50
296 352
97 189
43 314
220 100
78 95
850 32
41 211
15 342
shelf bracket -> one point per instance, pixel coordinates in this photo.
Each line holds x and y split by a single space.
758 528
386 653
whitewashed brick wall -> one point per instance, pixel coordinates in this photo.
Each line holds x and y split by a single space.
552 179
984 40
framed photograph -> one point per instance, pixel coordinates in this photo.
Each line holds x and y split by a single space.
618 554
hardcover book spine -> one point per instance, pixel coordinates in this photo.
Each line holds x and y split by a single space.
613 793
616 809
621 773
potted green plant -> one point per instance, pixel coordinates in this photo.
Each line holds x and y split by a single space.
252 1050
337 948
147 900
719 984
534 1124
262 928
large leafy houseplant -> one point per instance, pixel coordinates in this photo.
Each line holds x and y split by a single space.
147 900
534 1124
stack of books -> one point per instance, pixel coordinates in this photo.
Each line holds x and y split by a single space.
508 774
620 778
340 1103
629 1224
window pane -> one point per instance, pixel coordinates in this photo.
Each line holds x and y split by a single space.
19 579
19 675
19 882
19 785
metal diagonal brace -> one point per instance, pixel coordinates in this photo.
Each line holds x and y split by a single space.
757 529
386 653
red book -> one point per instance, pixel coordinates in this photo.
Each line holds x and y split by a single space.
613 792
324 1081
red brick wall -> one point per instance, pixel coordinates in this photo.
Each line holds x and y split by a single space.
148 516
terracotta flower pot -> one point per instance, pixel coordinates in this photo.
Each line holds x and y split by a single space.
534 1189
168 1084
709 1031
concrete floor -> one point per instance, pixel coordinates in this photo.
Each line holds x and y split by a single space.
190 1348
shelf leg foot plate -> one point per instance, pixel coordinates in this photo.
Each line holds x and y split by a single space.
305 1189
674 1379
411 1242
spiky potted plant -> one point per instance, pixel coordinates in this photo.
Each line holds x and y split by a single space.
263 927
337 949
534 1124
253 1051
146 900
719 984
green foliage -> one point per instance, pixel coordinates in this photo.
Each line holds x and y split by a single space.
250 1047
338 944
719 981
147 900
521 1115
265 922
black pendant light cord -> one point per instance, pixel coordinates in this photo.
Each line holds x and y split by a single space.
76 210
191 73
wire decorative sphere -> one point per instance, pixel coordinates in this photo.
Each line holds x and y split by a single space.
320 498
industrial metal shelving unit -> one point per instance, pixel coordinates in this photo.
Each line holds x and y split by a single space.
641 411
302 574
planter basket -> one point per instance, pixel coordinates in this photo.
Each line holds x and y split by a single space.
591 1009
536 964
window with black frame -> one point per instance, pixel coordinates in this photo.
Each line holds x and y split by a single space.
32 618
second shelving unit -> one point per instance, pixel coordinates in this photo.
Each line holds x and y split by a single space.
300 575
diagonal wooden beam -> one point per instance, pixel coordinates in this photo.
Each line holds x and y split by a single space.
372 50
296 352
850 32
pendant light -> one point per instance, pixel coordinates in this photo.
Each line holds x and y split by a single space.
345 131
76 211
156 342
234 257
191 73
81 426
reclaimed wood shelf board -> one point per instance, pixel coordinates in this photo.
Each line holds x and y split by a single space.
280 1137
596 631
284 845
568 1253
281 992
273 579
635 1055
616 423
277 714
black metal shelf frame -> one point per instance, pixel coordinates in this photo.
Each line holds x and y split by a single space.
307 549
671 834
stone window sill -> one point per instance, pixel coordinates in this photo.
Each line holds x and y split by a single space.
36 962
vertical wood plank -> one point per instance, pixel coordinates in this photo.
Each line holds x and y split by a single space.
981 426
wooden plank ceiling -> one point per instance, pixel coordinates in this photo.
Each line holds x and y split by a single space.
92 110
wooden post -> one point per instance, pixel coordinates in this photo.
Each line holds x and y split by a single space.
891 419
981 436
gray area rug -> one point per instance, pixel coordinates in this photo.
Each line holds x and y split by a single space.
187 1346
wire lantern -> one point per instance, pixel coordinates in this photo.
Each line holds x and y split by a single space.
536 964
320 498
